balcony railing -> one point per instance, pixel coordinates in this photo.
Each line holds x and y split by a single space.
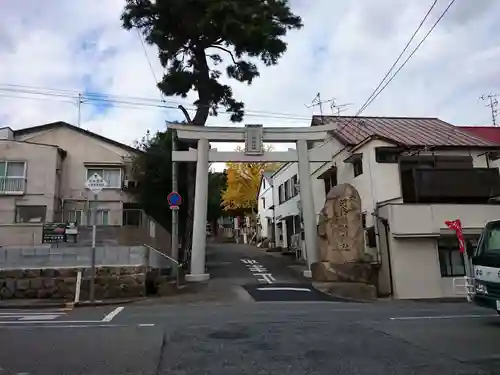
471 185
12 185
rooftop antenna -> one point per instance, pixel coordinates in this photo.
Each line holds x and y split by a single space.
493 104
337 108
318 102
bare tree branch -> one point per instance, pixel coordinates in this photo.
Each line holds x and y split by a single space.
225 50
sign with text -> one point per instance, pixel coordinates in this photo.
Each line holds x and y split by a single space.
57 232
96 183
254 144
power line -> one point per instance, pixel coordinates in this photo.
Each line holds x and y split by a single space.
412 53
375 94
86 100
149 62
401 54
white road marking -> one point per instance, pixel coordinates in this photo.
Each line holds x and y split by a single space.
49 322
15 313
31 311
265 277
259 270
97 325
112 314
442 317
40 317
248 261
285 288
8 317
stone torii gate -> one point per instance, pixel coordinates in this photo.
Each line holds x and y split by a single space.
254 137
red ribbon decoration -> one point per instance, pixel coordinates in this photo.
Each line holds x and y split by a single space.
456 225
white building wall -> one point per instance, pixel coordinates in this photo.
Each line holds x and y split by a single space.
288 208
265 214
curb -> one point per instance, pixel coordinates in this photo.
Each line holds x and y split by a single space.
106 303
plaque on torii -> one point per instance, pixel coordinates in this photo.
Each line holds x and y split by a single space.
254 144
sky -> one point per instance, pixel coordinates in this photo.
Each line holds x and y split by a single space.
343 51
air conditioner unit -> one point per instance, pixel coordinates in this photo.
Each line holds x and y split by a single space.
129 184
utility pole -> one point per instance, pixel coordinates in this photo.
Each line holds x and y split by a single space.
175 212
493 105
79 104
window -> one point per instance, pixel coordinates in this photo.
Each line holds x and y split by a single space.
12 176
295 182
112 176
30 214
263 199
387 154
357 166
330 181
102 217
132 215
287 190
451 261
75 216
363 220
281 193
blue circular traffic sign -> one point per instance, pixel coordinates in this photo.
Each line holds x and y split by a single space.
174 199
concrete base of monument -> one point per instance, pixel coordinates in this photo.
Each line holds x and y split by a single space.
355 291
196 278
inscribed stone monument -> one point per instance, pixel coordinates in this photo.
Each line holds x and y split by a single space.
341 240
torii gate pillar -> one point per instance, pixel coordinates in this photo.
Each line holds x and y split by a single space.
254 136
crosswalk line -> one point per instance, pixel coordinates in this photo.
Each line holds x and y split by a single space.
39 317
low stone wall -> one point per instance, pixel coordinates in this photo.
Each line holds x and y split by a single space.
53 257
110 282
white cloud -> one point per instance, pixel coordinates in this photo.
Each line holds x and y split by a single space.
343 51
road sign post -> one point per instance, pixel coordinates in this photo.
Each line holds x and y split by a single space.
95 184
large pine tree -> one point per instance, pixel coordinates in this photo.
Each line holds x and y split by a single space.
196 37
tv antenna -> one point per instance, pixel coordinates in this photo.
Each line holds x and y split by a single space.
493 105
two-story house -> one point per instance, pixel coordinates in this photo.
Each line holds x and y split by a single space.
412 175
43 170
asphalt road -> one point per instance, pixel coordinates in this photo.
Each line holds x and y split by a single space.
263 276
257 338
219 332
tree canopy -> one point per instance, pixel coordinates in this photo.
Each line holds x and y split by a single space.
192 37
152 170
243 183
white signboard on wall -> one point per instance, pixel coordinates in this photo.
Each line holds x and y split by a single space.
95 183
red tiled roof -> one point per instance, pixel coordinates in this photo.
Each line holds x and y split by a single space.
490 133
409 131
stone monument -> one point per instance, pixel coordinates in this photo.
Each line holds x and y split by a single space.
344 269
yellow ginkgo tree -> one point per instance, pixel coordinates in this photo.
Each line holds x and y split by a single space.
243 182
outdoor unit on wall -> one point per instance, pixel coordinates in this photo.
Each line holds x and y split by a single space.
129 184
